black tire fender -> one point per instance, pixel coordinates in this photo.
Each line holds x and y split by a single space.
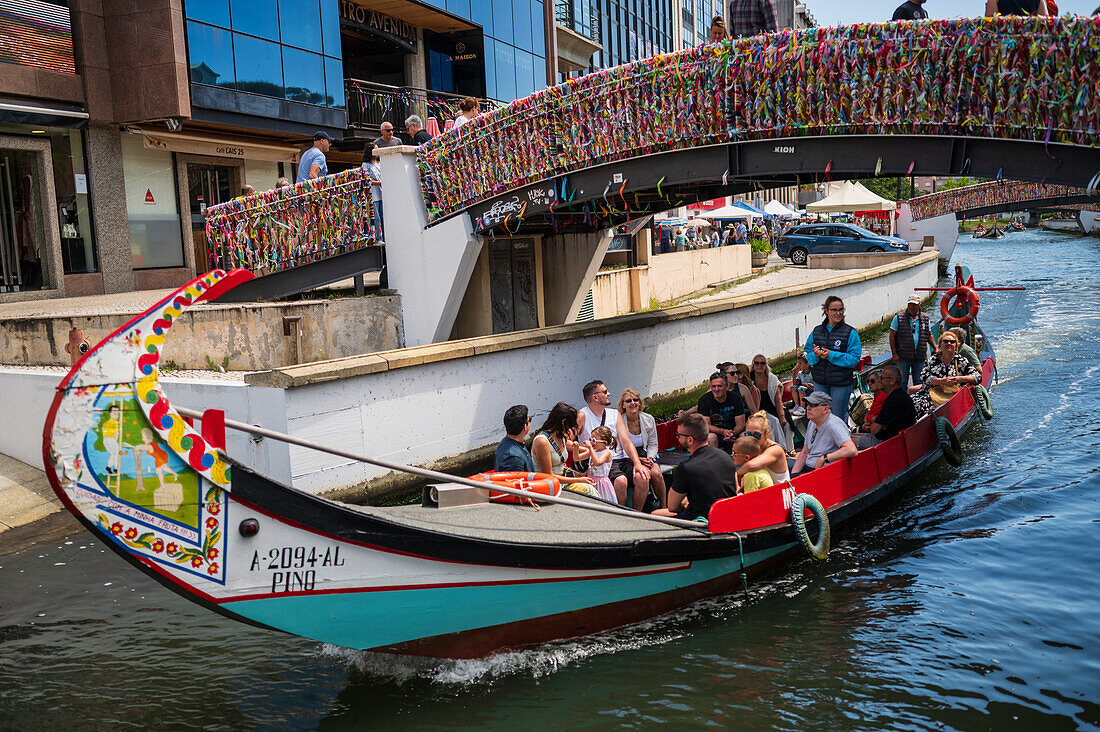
949 442
984 402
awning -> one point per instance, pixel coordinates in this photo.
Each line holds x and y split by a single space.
219 147
29 113
851 197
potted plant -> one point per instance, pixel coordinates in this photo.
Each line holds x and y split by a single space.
761 248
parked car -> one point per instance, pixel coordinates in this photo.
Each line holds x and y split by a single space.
799 242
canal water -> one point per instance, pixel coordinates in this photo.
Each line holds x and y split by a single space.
969 601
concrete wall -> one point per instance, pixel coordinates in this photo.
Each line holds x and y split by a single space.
855 260
26 396
421 405
251 336
570 265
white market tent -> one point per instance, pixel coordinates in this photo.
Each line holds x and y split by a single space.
730 212
850 198
777 209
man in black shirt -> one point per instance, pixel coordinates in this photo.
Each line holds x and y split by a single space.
911 10
417 133
897 411
726 411
703 478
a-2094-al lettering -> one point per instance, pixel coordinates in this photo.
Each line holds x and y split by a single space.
296 557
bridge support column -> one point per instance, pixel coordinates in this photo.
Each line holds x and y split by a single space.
1089 221
429 268
570 264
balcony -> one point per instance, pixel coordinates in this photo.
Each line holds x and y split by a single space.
577 33
369 104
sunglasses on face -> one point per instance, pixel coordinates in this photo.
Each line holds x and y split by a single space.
757 435
632 401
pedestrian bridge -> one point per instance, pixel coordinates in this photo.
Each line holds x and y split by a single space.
1000 196
1008 98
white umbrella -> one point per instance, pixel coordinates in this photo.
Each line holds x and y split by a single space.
777 209
698 223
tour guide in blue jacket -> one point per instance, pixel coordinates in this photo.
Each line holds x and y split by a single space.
833 350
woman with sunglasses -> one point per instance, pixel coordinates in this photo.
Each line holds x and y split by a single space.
772 457
642 429
943 375
771 398
737 374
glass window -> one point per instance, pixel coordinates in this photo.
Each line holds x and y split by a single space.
260 64
481 12
209 11
300 21
304 76
521 22
490 68
330 28
211 55
150 180
538 32
506 72
502 20
525 73
257 18
461 8
334 79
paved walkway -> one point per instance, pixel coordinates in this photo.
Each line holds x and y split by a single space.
786 277
30 512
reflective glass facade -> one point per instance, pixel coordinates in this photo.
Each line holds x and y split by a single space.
634 29
514 43
288 49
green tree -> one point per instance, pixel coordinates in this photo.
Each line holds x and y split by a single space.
948 183
888 188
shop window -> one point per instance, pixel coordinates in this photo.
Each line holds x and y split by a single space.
211 55
22 235
300 21
256 18
78 253
260 64
305 76
151 207
215 12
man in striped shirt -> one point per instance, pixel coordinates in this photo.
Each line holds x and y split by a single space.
751 17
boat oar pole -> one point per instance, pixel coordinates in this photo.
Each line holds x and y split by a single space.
435 475
978 289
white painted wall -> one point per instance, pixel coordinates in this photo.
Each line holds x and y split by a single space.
944 228
26 396
422 413
430 268
1090 222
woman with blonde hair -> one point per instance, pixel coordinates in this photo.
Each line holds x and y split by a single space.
771 399
642 429
772 457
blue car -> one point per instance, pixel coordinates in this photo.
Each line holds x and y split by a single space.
799 242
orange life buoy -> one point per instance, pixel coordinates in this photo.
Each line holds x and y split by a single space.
961 292
538 483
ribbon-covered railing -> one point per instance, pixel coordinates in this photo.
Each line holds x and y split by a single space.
293 225
990 193
1015 78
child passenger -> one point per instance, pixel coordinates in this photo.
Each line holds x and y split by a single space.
802 385
744 450
599 464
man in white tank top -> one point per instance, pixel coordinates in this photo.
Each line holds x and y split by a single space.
596 413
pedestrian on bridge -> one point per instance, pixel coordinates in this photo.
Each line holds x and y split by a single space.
718 29
752 17
313 165
911 10
374 171
415 126
1015 7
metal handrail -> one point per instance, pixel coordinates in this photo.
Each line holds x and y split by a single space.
565 14
370 103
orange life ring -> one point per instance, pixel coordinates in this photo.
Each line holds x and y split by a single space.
538 483
962 291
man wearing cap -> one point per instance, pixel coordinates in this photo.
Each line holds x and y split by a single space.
827 438
909 339
313 164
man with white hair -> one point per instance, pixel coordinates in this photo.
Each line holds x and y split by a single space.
415 127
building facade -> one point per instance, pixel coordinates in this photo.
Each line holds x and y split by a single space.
120 124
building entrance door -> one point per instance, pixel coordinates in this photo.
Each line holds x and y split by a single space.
20 226
207 185
512 285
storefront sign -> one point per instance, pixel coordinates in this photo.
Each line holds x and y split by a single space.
379 25
221 149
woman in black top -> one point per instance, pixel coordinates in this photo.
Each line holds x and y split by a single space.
1015 7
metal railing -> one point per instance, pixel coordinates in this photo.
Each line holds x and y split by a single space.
581 16
369 104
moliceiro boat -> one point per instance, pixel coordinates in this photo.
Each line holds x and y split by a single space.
458 576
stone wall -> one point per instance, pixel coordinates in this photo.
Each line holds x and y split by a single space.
250 336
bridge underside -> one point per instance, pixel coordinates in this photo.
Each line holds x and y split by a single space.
611 194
